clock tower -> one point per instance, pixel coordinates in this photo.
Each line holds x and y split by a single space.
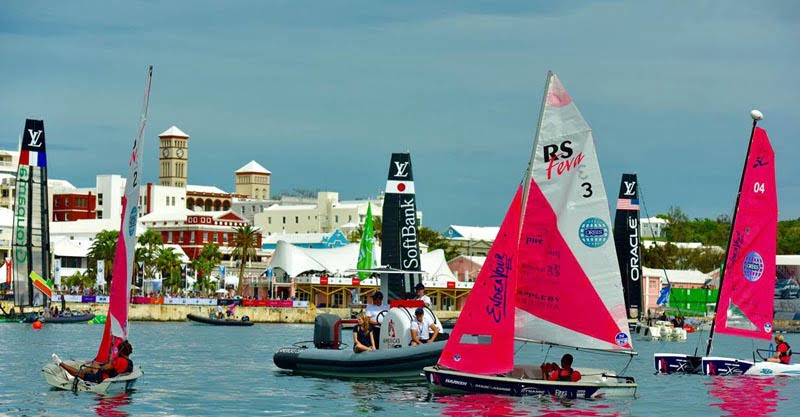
173 157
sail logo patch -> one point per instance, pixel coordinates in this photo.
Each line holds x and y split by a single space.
132 221
753 266
621 339
593 232
768 327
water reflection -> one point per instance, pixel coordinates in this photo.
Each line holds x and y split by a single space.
745 395
497 405
111 406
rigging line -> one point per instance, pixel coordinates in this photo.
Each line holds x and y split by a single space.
655 246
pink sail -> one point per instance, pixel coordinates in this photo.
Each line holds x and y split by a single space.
485 327
746 298
116 329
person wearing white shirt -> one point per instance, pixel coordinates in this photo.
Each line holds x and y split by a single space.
373 310
423 329
421 295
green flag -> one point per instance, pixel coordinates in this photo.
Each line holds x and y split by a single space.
366 259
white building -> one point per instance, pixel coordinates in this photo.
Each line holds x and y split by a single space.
322 215
653 226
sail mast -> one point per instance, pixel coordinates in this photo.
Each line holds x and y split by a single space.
529 171
756 115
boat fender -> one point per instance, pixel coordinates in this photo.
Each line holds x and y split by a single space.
245 318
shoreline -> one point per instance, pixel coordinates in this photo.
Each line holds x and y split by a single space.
172 313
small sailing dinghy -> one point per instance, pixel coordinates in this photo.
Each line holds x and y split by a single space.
745 302
332 352
551 276
117 325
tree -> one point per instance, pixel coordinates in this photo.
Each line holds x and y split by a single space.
150 242
168 262
244 249
209 257
435 240
103 248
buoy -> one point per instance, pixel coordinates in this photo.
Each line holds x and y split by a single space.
37 325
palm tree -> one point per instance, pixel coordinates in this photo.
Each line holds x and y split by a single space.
103 248
244 249
168 262
149 243
209 257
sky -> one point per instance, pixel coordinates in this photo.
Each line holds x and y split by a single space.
321 92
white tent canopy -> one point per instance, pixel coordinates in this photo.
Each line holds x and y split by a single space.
295 261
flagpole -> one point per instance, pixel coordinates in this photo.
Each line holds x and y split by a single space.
756 115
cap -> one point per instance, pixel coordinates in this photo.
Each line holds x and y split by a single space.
377 294
419 286
419 311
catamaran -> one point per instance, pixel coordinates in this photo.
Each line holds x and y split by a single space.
627 240
551 276
747 281
331 354
117 326
30 258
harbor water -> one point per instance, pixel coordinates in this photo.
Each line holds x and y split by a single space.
198 370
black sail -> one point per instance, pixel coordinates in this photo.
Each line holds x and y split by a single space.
627 242
399 235
31 232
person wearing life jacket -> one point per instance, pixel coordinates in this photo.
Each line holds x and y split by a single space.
565 373
122 364
783 352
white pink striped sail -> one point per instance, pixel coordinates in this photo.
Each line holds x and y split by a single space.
116 329
553 262
569 291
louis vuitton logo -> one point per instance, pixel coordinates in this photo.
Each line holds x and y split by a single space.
35 134
401 168
629 187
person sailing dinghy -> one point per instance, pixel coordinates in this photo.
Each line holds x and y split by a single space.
551 275
115 334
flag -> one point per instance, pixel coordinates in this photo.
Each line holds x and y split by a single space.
628 204
46 287
366 258
663 296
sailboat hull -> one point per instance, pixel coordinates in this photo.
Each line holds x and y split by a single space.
719 366
676 363
774 369
58 378
526 381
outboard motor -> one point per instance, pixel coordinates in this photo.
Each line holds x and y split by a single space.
325 331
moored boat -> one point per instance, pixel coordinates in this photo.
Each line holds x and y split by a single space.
332 353
75 318
199 318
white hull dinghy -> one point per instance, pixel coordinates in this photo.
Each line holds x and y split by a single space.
58 378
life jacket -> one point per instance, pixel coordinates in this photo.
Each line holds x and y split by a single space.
565 377
128 368
788 352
